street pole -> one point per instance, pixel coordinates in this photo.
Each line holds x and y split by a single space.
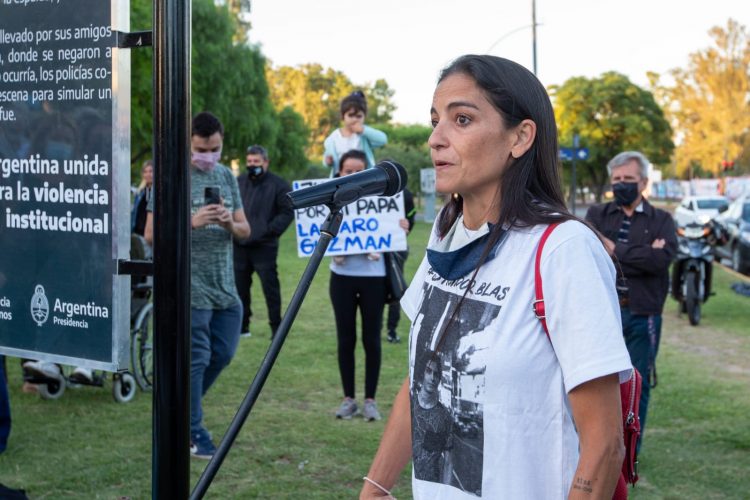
573 175
533 31
170 455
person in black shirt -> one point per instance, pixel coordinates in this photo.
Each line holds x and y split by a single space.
270 213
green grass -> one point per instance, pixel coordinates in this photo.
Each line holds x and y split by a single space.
87 446
697 444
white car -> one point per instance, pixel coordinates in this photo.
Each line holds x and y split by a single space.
700 209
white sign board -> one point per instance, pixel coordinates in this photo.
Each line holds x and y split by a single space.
370 225
427 180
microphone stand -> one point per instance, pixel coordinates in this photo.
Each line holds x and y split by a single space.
328 230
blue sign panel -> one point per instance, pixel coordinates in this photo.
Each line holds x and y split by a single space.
566 154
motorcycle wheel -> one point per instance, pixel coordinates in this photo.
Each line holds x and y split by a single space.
692 303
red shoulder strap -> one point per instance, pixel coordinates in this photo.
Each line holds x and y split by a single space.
538 304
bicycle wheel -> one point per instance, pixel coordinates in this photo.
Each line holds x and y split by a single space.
142 349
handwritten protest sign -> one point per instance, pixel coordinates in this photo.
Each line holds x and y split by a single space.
370 225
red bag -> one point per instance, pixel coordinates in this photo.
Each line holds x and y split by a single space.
630 390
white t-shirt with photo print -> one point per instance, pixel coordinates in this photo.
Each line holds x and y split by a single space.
503 382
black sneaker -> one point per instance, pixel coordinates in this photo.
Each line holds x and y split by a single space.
201 445
393 338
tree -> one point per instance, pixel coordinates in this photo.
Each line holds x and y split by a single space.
407 144
316 92
228 79
240 11
141 88
380 105
709 103
610 114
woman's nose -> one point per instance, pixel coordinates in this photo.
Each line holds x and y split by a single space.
437 138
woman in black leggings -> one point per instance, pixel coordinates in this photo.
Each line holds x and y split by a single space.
358 281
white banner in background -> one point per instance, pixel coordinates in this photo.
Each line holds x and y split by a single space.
370 225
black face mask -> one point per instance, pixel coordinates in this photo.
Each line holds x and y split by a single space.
255 171
625 193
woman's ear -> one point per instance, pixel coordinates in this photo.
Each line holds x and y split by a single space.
525 135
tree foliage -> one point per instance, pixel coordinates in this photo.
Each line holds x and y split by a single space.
315 93
407 144
610 114
240 11
709 103
141 87
228 79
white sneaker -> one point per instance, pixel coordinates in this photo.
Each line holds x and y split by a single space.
42 369
246 335
82 375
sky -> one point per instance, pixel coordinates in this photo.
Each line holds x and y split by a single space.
408 42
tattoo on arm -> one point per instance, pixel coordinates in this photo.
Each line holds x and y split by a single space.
582 484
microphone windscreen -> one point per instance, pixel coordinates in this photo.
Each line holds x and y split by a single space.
396 177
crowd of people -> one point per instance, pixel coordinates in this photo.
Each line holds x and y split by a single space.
490 406
236 234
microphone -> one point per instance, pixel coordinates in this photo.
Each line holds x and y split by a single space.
384 179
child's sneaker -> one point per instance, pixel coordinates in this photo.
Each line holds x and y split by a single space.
201 445
393 337
347 409
370 411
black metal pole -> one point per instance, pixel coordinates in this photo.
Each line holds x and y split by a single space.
171 402
327 231
533 31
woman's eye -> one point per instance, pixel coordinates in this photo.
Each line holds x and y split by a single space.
433 123
463 120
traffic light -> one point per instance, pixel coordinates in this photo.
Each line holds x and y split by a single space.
727 165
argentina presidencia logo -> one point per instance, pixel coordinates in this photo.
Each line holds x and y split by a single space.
39 306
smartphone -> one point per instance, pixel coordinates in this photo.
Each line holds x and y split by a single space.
212 195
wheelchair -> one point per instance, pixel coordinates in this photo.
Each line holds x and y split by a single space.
141 373
141 313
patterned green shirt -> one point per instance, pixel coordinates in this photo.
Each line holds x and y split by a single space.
212 283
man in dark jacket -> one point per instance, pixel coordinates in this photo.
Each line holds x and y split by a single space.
642 242
269 213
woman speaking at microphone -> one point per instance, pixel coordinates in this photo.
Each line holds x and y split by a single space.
492 407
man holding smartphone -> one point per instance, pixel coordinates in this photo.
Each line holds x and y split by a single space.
270 213
217 217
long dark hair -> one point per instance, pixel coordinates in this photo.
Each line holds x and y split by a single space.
530 189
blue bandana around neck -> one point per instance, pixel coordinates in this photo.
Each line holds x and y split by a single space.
451 265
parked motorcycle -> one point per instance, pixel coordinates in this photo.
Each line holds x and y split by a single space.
693 267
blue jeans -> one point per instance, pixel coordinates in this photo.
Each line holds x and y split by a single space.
642 335
215 335
4 407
